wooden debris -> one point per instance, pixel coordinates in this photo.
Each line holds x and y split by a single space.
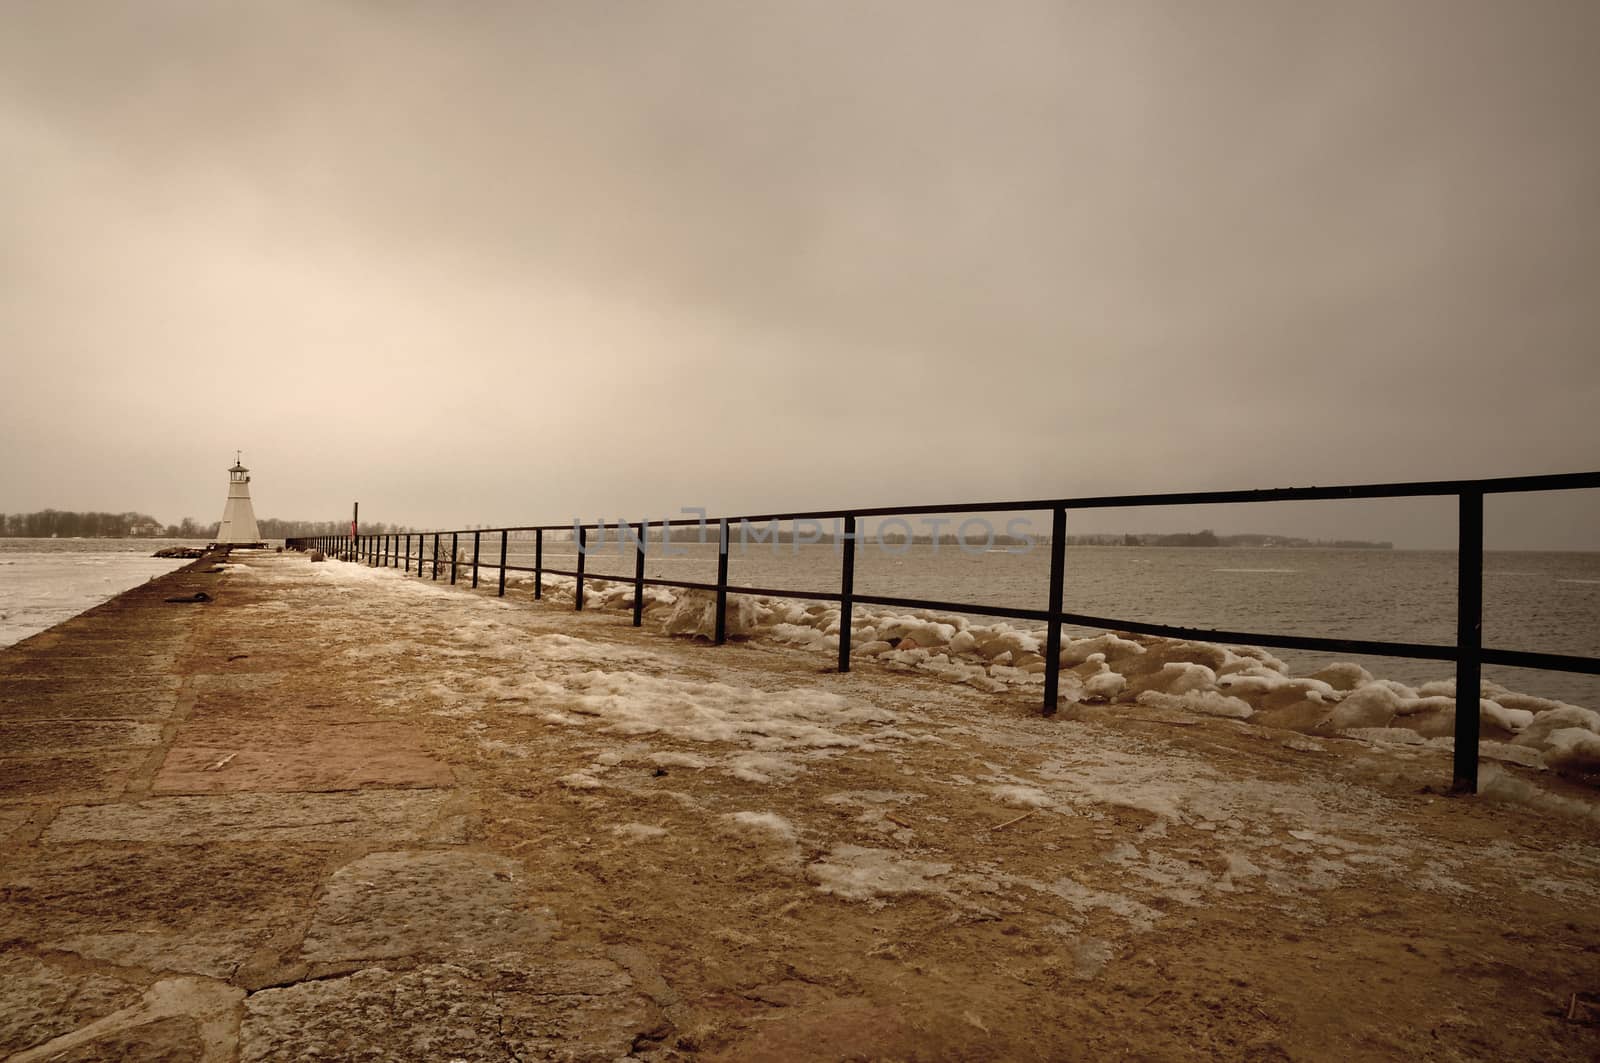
221 763
1015 819
892 818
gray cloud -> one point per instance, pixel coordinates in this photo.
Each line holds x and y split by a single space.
507 262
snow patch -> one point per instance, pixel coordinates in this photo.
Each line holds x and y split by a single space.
857 873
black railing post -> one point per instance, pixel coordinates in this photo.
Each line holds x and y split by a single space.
455 553
847 591
502 591
583 542
1469 640
435 555
722 582
538 564
638 575
477 541
1052 641
408 553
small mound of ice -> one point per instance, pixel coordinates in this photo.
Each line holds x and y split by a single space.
1497 783
1078 651
1544 725
1106 685
1372 704
695 614
763 768
638 831
1344 675
1573 749
1183 677
1021 796
1208 702
679 760
763 823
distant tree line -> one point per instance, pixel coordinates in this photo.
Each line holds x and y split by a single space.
66 524
272 528
1211 538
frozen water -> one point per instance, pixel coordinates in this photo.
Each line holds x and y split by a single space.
46 581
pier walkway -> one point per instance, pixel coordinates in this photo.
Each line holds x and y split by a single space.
338 812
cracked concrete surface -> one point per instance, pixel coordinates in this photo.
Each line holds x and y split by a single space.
213 855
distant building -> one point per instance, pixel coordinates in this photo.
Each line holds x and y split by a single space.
238 516
145 530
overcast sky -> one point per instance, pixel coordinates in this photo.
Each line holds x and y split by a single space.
493 263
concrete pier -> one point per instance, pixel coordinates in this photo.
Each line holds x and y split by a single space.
337 812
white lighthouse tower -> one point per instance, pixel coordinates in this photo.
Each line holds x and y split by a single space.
238 516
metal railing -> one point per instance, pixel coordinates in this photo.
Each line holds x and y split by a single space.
1468 652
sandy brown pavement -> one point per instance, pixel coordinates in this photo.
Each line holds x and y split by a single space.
334 818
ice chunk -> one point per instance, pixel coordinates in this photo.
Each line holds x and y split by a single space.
1371 705
1573 749
1182 677
1344 675
1208 702
1545 724
1107 685
695 614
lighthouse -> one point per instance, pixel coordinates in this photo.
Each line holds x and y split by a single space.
238 517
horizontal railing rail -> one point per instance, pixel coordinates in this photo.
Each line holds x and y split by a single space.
1468 651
